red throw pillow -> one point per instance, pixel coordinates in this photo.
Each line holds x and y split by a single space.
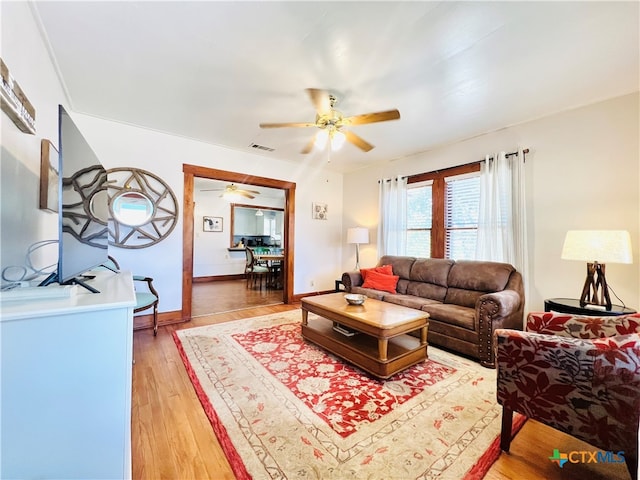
386 269
381 281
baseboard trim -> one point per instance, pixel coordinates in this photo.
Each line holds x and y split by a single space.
218 278
298 296
165 318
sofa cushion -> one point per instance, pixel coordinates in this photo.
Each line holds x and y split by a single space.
381 281
401 265
409 300
426 290
465 298
402 286
369 292
386 269
452 314
479 276
431 270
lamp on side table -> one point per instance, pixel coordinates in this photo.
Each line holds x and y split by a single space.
597 247
357 235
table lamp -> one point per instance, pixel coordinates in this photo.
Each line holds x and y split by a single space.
597 247
357 235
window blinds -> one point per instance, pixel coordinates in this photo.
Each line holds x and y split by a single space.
461 216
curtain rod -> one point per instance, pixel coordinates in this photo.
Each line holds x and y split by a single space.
510 154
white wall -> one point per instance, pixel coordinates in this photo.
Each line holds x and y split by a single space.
583 172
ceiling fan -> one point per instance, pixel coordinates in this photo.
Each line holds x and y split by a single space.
232 192
330 122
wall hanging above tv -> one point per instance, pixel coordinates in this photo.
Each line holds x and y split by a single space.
143 209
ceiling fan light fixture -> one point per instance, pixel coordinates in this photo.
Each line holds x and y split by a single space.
321 139
337 139
329 121
259 213
231 196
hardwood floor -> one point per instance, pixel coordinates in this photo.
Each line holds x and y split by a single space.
230 295
172 437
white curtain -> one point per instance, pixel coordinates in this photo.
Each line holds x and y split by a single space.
392 236
502 221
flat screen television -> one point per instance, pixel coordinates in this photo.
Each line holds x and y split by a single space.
83 207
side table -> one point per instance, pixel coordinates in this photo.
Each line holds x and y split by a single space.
572 306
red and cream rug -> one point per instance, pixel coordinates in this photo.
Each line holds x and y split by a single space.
283 408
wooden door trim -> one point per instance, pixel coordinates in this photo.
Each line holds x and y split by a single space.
192 171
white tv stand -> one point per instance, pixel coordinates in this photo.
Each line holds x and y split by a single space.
66 383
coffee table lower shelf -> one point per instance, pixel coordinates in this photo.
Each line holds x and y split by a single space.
362 350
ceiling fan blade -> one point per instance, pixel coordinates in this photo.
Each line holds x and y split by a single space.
289 124
309 146
248 191
371 117
357 141
241 194
320 100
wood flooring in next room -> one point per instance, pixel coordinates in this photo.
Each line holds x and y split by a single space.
230 295
173 439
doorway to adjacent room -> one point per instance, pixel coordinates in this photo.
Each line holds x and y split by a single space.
190 173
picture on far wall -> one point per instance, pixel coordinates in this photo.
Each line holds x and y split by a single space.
49 174
319 211
212 224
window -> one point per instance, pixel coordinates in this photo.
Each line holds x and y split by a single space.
442 213
462 197
419 220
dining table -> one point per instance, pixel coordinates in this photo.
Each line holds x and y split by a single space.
274 262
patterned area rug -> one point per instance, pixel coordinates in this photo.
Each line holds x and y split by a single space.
285 409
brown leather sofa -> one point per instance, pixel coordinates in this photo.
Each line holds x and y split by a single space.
466 300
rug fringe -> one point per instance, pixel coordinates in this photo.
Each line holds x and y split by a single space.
488 458
237 465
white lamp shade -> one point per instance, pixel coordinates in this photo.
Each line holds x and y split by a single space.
602 246
358 235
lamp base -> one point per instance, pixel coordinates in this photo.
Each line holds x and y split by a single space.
595 290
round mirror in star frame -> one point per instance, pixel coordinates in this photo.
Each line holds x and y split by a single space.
143 208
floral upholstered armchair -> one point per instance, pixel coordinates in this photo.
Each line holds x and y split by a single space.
578 374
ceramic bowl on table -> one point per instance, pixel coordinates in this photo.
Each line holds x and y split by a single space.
355 298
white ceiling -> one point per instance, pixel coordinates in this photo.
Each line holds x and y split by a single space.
213 71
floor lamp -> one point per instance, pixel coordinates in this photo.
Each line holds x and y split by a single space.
357 235
597 247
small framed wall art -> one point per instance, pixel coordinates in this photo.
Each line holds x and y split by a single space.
319 211
212 224
49 174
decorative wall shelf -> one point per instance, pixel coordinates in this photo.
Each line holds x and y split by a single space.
15 103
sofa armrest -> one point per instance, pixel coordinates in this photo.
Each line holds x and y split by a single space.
504 309
351 279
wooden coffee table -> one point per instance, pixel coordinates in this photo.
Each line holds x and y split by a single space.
380 344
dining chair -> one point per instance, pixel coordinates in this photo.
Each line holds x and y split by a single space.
254 271
145 299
